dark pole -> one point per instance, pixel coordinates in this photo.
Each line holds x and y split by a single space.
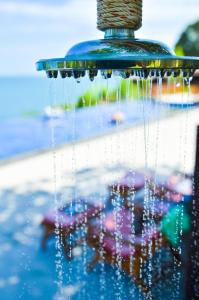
192 270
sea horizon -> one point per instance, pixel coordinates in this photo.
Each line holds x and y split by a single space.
27 96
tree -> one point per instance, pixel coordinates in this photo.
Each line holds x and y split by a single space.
188 43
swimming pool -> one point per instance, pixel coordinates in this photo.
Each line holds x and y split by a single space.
19 136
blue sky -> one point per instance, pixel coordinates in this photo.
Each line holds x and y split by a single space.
34 29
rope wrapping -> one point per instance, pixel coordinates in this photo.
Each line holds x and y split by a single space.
119 14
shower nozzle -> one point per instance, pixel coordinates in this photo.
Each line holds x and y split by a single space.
119 52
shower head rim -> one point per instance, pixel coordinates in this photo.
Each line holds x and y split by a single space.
161 62
117 54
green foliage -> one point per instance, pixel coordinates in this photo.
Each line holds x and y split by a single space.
127 89
66 106
179 51
96 95
124 89
88 99
188 43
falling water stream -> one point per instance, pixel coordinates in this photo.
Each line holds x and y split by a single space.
86 180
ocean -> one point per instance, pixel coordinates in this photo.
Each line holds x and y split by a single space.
28 96
23 128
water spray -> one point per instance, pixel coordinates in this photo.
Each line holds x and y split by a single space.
120 53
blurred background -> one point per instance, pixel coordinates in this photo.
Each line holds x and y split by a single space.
31 30
34 29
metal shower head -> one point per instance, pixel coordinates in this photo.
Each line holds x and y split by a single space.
122 54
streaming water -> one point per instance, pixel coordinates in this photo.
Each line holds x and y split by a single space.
58 240
90 174
101 195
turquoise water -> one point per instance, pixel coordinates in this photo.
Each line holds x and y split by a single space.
28 96
18 99
26 135
23 100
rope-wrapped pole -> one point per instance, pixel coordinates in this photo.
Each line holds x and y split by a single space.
119 14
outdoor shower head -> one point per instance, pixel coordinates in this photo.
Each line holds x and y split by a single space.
119 52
